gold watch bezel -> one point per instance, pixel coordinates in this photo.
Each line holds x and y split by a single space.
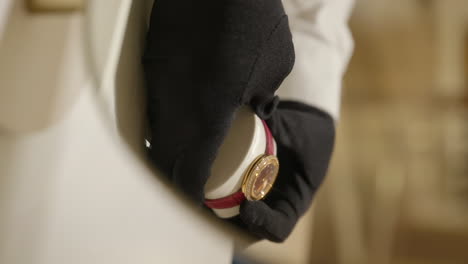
252 174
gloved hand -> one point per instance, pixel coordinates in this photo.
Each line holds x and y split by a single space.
203 61
305 137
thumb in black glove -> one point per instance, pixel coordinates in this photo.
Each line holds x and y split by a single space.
305 138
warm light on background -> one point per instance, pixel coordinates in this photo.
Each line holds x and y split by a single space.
397 191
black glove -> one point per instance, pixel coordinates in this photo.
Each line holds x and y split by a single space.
305 138
203 61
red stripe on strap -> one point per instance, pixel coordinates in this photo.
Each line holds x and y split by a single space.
270 145
226 202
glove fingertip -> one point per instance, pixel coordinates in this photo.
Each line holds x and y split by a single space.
265 222
255 212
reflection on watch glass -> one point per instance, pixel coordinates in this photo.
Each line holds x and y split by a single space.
264 181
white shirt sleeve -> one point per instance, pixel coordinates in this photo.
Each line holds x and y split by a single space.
5 6
323 45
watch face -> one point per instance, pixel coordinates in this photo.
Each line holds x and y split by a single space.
260 177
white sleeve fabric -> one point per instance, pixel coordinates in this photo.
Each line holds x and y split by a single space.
5 6
323 45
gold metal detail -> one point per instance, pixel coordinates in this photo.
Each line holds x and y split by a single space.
260 176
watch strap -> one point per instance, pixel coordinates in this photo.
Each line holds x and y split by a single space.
238 197
226 202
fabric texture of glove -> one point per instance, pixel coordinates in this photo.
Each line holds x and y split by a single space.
203 60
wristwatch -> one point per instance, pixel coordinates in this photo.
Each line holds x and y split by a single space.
257 180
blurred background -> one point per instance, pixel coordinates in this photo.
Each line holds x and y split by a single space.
397 191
